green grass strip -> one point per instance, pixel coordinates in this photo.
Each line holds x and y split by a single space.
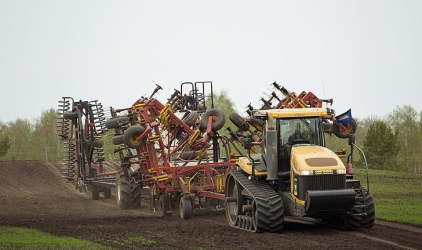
408 210
397 195
23 238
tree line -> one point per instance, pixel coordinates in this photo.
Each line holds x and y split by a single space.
31 140
393 142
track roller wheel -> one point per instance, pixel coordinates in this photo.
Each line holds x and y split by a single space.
185 208
255 217
234 201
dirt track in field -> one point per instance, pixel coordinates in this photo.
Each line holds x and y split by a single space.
33 195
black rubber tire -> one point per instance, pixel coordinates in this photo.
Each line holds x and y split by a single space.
190 155
239 121
146 192
190 118
327 127
350 129
117 122
130 135
70 115
107 192
201 107
117 140
135 195
95 192
98 143
185 208
201 128
218 122
256 123
164 205
128 194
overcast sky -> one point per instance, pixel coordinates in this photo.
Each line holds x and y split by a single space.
366 55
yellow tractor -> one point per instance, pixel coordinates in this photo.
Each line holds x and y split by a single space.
294 175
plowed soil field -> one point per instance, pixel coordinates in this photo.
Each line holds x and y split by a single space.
33 195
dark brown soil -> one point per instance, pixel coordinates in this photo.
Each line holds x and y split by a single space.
33 195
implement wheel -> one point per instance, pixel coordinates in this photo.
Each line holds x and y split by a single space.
348 129
117 122
256 123
239 121
123 196
128 194
98 143
185 208
107 192
117 140
218 119
190 118
164 205
130 135
95 192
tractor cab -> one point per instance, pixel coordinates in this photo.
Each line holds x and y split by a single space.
296 132
294 128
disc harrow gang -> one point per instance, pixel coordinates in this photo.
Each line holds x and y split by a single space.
80 126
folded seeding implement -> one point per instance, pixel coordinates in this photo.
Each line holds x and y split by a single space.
172 157
168 159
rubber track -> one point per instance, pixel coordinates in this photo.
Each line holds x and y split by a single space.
268 203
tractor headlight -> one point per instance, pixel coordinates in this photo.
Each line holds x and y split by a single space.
341 171
307 172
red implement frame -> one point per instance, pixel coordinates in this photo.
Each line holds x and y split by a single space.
167 137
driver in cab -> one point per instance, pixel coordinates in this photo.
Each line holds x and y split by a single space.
292 134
